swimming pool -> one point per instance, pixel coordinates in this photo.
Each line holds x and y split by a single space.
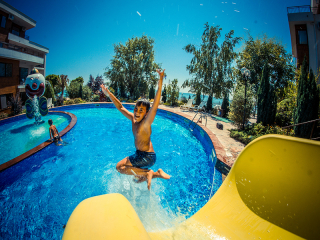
38 194
20 134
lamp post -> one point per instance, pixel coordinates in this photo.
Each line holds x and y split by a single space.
246 73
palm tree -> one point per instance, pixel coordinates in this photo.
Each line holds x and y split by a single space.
63 82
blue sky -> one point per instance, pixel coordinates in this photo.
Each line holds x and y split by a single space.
80 33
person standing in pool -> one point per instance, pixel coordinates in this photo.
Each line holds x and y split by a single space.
142 117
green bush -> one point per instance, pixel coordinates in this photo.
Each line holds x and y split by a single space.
3 115
78 100
68 102
49 91
214 111
16 104
254 131
167 104
86 93
73 89
96 98
237 105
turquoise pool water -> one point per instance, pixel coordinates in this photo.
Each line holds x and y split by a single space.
38 195
19 135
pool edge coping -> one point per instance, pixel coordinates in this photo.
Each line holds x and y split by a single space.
40 146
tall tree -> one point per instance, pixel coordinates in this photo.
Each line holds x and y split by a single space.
237 104
73 89
49 91
79 80
307 102
209 103
198 98
263 50
173 92
97 82
63 81
87 93
54 79
225 104
210 66
133 66
151 92
164 94
267 102
91 82
81 92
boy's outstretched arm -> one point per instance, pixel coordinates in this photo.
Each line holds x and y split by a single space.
117 103
152 112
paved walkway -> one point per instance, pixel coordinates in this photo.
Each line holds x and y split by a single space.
231 146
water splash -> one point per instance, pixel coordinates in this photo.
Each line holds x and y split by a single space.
36 111
152 210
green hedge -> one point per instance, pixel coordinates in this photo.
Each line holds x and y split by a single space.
257 130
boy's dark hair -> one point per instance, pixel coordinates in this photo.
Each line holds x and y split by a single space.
144 102
50 121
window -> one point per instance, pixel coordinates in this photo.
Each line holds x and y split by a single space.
5 69
15 30
3 20
23 75
3 101
303 37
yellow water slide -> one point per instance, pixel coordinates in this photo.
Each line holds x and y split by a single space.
271 192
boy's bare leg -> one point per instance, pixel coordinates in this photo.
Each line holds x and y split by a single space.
125 167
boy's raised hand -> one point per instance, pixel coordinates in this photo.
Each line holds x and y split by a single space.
104 89
161 74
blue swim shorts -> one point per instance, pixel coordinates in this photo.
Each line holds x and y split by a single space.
143 159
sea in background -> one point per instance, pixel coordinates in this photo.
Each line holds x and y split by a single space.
203 98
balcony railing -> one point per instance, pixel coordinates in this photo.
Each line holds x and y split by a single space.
21 49
301 9
40 66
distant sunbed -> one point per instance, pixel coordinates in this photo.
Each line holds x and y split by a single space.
187 105
201 107
49 103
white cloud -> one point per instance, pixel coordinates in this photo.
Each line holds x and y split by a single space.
139 14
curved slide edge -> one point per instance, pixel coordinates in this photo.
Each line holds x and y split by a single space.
271 192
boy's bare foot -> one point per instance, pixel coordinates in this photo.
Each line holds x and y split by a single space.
149 178
163 174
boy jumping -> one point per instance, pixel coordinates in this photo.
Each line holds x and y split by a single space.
141 118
